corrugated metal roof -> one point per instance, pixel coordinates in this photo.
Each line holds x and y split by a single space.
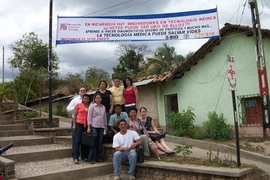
144 82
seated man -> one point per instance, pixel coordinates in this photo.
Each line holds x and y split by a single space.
113 123
124 143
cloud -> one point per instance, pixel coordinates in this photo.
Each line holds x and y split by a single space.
19 17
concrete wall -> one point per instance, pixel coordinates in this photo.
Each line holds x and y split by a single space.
148 99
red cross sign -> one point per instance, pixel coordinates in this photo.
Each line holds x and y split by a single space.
231 74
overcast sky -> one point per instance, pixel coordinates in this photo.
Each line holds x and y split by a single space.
18 17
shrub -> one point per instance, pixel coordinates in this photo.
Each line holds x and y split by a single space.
199 133
216 127
185 150
60 111
30 114
181 123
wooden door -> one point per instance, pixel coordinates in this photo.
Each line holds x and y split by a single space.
253 111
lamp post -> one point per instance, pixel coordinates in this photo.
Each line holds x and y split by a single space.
50 62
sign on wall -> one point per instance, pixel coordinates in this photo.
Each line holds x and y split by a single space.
231 74
153 27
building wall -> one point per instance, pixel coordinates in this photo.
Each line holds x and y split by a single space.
205 87
148 99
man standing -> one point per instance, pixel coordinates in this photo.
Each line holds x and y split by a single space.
117 92
70 108
124 143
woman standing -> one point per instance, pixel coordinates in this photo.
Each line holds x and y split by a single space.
107 99
131 94
80 126
135 125
151 129
97 121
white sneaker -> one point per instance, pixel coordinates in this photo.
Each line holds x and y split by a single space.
131 177
116 178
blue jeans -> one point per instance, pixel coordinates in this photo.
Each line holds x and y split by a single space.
95 151
73 139
108 117
119 157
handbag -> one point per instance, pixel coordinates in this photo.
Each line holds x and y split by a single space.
140 156
89 139
156 137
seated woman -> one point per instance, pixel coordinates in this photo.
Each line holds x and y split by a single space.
151 129
135 125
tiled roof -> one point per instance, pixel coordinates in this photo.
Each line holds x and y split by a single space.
178 71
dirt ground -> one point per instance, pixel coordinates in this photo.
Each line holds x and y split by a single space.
253 144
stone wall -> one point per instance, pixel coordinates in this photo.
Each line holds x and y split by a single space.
6 106
8 167
38 122
161 170
52 132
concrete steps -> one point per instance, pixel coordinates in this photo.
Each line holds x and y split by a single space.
38 157
61 169
6 119
12 127
25 140
15 133
37 152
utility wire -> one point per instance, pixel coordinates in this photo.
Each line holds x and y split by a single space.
110 7
128 6
231 50
266 4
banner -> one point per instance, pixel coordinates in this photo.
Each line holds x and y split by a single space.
153 27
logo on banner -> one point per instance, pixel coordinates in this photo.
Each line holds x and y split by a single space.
186 36
231 73
63 26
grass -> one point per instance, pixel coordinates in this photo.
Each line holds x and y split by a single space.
214 162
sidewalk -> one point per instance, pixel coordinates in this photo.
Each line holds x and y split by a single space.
202 152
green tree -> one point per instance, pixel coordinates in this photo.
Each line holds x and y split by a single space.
74 82
30 56
142 49
164 58
26 86
31 52
94 75
7 91
130 64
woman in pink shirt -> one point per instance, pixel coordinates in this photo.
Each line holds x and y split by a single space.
80 126
97 122
131 95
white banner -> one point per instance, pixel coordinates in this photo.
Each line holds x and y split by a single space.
156 27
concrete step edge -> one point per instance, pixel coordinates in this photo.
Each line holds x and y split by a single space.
25 140
39 155
73 173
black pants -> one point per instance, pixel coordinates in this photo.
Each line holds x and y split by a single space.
84 149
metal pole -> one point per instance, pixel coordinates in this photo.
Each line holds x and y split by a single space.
3 66
50 63
236 129
261 66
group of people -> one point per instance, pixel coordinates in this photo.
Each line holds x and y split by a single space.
88 116
113 112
